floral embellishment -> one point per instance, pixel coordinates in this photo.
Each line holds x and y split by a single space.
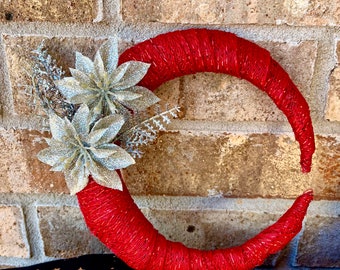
80 148
103 86
91 112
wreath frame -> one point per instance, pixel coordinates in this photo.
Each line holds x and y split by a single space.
115 219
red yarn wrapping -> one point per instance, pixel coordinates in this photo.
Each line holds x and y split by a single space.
190 51
112 215
116 220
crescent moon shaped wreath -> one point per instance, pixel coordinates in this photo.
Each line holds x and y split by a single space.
112 215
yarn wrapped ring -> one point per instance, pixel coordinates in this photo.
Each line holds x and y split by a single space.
115 219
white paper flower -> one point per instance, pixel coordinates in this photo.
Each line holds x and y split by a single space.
103 86
81 148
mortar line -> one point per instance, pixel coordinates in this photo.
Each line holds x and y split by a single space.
33 233
320 207
246 127
147 30
6 99
111 12
100 12
324 64
292 257
239 127
38 199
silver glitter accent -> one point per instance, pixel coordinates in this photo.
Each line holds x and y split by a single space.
103 86
82 142
43 90
80 148
141 132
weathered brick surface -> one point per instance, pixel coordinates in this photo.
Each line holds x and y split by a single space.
232 12
219 97
13 242
210 230
18 50
65 234
52 10
20 170
265 165
203 96
333 102
320 243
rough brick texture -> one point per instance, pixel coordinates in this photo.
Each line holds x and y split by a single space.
232 12
209 230
203 96
333 102
65 234
20 170
320 243
13 242
265 165
52 10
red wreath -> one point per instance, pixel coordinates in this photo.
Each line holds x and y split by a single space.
115 219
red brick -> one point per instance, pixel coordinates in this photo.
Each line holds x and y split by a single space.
232 12
13 242
210 230
254 165
79 11
65 233
320 243
333 102
20 170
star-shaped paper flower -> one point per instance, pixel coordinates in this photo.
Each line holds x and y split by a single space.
103 86
81 148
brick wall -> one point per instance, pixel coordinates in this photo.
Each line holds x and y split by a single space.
226 169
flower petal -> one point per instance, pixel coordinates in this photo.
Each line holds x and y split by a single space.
84 80
118 73
125 95
84 63
99 66
51 155
147 99
95 136
57 127
86 97
109 54
77 177
105 177
82 120
112 124
111 106
69 87
120 159
102 152
97 109
66 162
59 145
133 75
72 136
